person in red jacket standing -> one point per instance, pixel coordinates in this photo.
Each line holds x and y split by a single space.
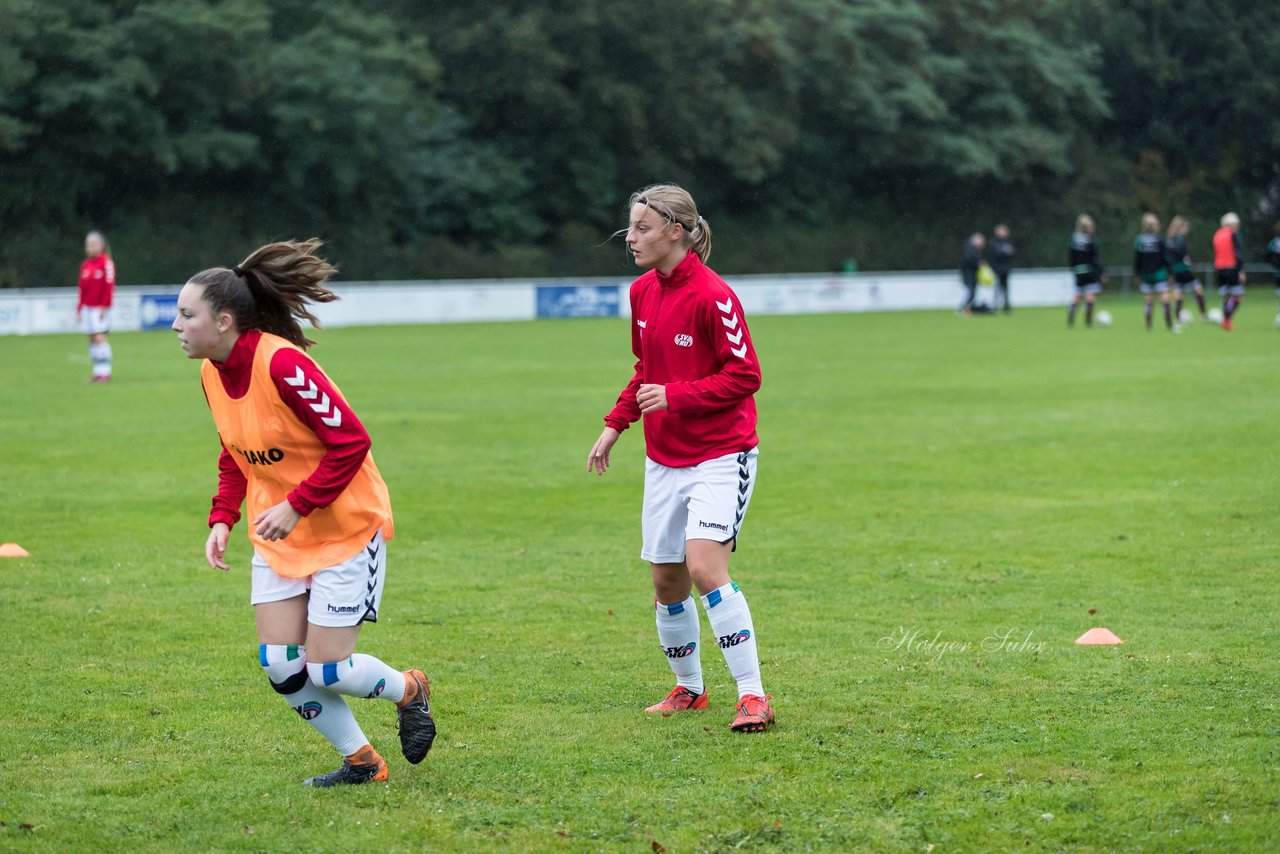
1228 262
93 308
294 451
695 376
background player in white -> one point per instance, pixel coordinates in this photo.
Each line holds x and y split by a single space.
695 376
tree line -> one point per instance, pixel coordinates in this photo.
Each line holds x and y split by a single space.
441 139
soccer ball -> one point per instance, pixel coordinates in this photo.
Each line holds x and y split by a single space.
1185 316
1214 315
1103 318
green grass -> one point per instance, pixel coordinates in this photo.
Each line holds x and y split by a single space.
918 473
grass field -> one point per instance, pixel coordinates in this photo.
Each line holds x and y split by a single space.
942 506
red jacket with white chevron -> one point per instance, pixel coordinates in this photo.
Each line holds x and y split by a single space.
688 333
344 437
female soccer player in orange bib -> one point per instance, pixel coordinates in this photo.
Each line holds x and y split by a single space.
695 377
320 511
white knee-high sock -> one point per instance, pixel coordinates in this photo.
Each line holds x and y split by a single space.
100 355
286 668
678 634
359 676
730 619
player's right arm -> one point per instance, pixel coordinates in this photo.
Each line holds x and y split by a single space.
627 410
225 512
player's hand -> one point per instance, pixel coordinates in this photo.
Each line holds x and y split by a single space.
275 523
1244 277
651 397
216 546
598 459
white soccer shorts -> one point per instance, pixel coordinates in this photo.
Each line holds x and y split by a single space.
344 595
94 320
703 502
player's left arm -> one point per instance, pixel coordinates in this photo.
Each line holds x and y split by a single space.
725 326
108 280
310 395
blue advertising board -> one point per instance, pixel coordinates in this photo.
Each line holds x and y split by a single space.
157 311
578 301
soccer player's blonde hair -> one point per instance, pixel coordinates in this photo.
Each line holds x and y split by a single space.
1083 222
1150 223
1176 225
1230 218
675 205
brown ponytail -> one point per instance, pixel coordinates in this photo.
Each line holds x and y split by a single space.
270 290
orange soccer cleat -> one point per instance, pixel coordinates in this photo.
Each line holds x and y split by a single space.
754 714
681 699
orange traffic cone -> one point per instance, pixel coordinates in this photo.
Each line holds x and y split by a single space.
13 550
1098 637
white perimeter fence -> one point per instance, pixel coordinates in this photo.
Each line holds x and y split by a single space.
52 310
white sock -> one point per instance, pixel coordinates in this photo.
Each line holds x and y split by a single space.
730 618
95 356
678 634
286 667
359 676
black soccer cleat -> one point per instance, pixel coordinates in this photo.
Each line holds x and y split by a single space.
417 727
350 774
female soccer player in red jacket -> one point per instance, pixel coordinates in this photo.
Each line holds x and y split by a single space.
321 515
93 308
695 376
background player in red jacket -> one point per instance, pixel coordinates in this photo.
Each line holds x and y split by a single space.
695 376
293 448
1228 262
93 308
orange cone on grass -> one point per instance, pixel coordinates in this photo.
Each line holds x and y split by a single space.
13 550
1098 636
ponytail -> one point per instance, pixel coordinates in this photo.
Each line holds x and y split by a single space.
270 290
700 238
675 204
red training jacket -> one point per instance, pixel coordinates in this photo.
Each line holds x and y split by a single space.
97 282
346 444
688 333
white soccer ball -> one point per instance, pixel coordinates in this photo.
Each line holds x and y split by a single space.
1185 316
1214 315
1103 318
